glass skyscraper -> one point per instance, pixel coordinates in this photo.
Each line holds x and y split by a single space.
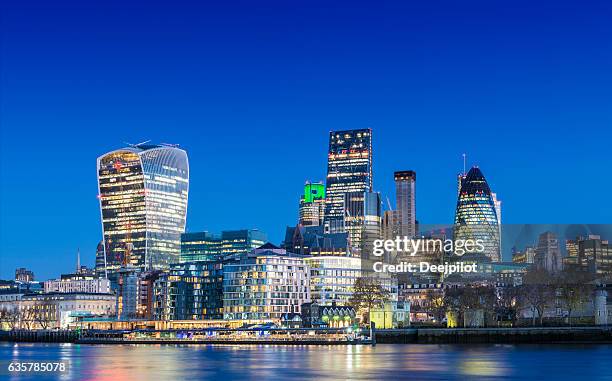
204 246
405 192
476 217
143 192
349 177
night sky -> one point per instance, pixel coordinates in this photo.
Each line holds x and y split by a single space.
252 89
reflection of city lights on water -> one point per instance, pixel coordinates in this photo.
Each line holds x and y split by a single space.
481 368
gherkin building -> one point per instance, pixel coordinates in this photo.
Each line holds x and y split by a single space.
475 217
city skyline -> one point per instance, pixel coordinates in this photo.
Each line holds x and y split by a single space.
528 104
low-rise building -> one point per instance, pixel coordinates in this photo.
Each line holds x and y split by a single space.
78 283
57 310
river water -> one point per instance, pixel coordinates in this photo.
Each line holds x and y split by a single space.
263 362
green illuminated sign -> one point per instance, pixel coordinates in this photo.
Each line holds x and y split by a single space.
313 192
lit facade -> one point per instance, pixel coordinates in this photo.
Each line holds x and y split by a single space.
190 291
78 283
349 177
265 284
205 246
312 205
476 217
59 310
143 191
405 200
332 278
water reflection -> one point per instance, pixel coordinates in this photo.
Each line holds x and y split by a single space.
417 362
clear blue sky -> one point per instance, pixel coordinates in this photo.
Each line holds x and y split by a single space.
251 90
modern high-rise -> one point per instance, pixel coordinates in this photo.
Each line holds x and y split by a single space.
312 204
143 192
548 253
265 284
190 291
476 217
205 246
349 177
405 200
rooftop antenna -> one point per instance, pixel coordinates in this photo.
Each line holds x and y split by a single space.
78 268
464 156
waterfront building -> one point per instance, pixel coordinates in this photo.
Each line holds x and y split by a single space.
24 275
475 216
312 240
264 284
190 291
391 315
525 256
548 253
312 205
205 246
59 310
332 278
71 283
405 202
143 192
315 315
135 292
349 177
126 290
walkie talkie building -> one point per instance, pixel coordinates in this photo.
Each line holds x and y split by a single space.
143 191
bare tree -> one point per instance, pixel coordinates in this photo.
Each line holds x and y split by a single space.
40 316
368 293
435 304
27 317
10 316
537 293
574 290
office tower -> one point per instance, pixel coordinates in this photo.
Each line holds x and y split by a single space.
475 217
265 284
143 203
595 255
405 196
200 246
312 205
390 225
349 177
24 275
571 261
190 291
548 253
205 246
372 223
